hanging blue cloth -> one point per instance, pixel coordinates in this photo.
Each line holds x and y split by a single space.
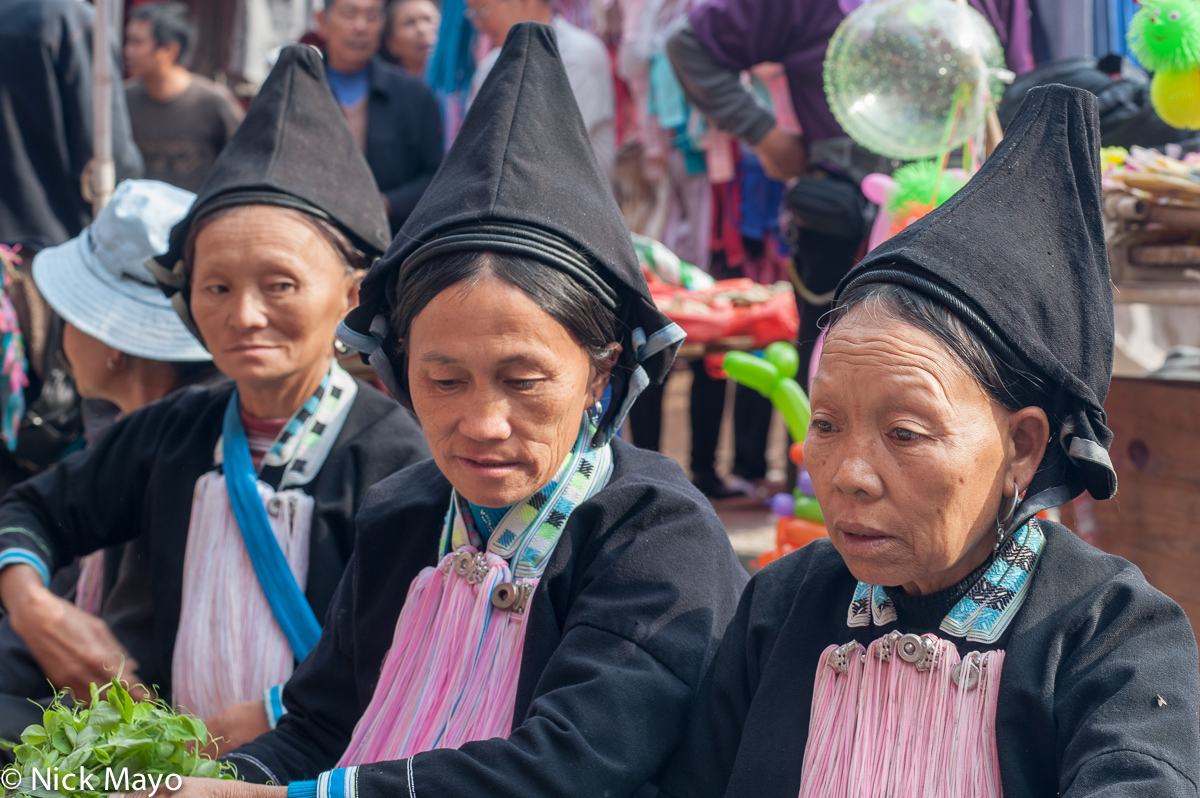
288 604
451 65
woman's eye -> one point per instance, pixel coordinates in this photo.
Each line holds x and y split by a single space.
215 289
906 435
523 385
282 286
822 425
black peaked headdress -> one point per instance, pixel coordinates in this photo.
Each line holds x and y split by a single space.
522 179
1018 254
295 150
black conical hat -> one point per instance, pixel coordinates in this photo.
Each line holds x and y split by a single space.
294 149
1019 255
521 178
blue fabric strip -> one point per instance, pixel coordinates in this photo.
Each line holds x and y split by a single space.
273 705
356 340
302 789
26 557
288 604
338 783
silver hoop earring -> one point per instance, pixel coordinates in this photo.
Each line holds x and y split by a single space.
1009 513
594 413
109 363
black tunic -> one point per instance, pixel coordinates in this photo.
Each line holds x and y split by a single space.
1087 656
137 482
625 619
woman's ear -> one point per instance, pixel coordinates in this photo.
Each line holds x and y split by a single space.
1029 432
354 280
604 371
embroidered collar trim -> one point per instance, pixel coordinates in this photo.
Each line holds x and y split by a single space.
530 530
984 613
308 436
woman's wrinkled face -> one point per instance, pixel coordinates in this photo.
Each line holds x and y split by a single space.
907 454
500 388
268 290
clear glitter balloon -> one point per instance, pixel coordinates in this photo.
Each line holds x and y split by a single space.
910 79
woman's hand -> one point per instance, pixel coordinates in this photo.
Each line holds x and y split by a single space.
213 788
72 648
236 725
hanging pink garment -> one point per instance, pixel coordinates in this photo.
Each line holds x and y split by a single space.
904 717
450 676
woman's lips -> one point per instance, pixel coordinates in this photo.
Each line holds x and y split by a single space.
862 540
488 468
250 349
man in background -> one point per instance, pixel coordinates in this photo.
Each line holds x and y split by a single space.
393 116
181 121
584 57
46 121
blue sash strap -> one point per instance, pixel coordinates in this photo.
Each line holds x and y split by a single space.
288 604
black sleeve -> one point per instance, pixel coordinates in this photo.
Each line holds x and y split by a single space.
715 88
1128 696
702 764
428 154
91 499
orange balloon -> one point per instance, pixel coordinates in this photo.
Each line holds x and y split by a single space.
796 453
797 532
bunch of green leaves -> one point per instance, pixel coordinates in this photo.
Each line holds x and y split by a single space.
114 733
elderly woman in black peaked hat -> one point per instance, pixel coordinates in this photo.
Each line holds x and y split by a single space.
241 497
945 641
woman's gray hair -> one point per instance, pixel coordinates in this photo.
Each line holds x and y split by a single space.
592 324
1010 386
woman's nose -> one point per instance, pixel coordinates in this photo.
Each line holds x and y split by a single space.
486 421
248 312
855 476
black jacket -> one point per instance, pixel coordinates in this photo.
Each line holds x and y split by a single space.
46 120
1086 657
404 137
136 484
624 620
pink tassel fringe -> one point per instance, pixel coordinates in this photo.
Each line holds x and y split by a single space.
450 676
881 727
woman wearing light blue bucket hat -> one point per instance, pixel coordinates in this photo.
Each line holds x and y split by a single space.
122 334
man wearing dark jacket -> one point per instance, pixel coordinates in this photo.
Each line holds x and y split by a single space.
46 120
394 116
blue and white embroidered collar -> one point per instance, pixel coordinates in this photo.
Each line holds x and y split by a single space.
306 440
990 604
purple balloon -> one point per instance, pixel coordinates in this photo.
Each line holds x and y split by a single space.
783 505
804 482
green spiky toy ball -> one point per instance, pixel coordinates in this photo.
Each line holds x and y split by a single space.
1164 35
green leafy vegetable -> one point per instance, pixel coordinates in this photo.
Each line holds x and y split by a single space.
113 745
